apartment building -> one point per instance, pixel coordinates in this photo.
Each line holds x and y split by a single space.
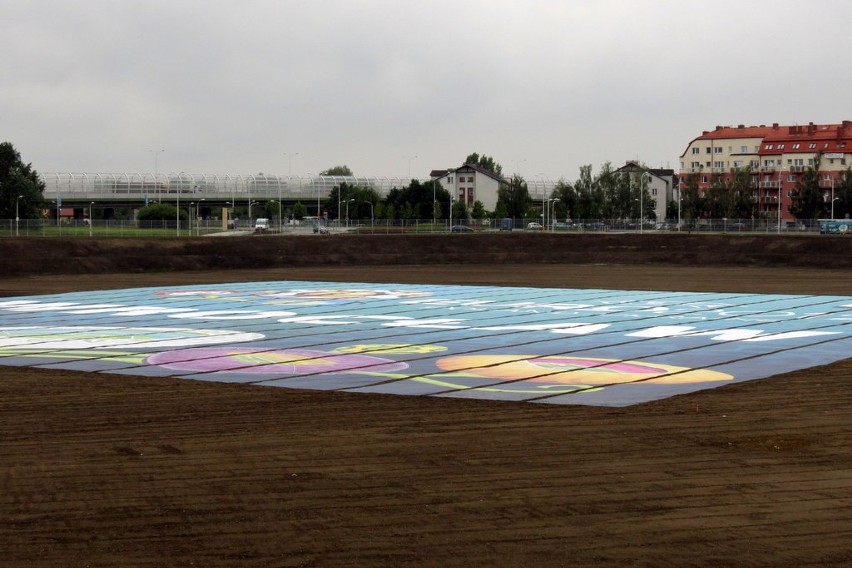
777 156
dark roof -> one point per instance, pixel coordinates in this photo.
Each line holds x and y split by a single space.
466 168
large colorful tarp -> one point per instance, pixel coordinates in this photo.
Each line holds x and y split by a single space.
559 346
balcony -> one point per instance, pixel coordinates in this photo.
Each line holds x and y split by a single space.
767 169
797 169
769 184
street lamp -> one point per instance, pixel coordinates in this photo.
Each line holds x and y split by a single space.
452 200
409 165
177 207
90 218
372 218
780 187
551 204
833 199
642 203
290 164
156 154
348 201
17 218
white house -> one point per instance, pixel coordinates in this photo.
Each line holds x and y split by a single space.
470 183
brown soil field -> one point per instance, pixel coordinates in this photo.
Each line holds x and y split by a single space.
102 470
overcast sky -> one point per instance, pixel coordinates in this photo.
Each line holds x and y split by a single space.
544 87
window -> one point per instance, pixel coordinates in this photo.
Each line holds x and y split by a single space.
795 146
812 146
717 150
719 165
696 150
780 146
791 177
743 149
450 179
709 150
768 147
703 179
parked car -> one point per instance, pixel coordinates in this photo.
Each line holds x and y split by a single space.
534 226
460 229
261 225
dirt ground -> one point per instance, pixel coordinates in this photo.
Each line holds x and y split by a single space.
109 471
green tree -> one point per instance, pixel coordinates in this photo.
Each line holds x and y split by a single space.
586 206
478 210
20 187
843 195
337 171
271 209
485 162
460 211
807 198
160 212
691 200
415 201
299 211
567 203
514 197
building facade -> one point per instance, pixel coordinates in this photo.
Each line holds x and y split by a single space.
776 156
661 184
470 183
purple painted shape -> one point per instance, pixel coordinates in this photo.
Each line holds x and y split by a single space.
263 361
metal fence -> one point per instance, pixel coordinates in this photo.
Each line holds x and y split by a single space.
215 227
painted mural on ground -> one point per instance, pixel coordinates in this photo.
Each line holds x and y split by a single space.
560 346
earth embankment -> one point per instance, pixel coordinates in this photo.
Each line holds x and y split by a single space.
108 255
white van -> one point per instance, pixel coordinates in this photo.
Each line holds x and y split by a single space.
261 225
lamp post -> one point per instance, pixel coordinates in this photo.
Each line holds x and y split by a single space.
90 218
780 187
290 164
17 217
832 199
409 165
177 207
197 215
372 218
452 200
348 201
156 171
642 203
543 196
552 203
678 207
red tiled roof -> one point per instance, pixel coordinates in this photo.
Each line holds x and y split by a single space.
829 137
